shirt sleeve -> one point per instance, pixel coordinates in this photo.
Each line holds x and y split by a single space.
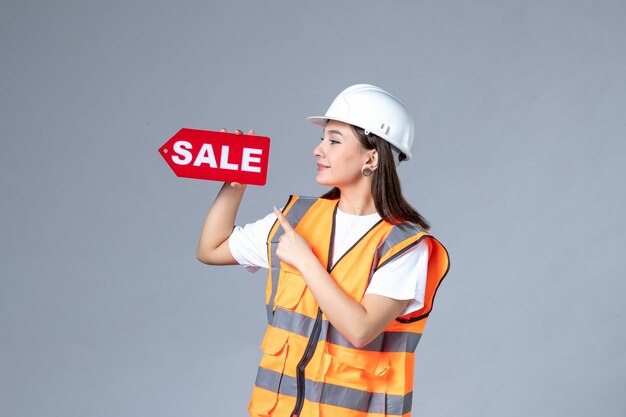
248 244
403 278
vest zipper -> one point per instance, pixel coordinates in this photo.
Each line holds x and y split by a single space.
315 333
306 358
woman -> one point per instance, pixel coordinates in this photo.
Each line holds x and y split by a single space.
352 275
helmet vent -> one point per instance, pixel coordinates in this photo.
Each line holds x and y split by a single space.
384 128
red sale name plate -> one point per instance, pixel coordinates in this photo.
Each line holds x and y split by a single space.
218 156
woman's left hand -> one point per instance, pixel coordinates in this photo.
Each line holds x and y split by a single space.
292 248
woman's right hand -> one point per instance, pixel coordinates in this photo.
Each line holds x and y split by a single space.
238 132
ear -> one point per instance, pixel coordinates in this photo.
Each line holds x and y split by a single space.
372 159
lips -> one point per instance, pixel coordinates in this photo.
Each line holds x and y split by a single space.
321 166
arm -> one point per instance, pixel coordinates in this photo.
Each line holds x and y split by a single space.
359 323
213 244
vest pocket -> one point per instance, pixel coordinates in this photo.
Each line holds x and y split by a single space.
291 287
270 374
274 342
349 386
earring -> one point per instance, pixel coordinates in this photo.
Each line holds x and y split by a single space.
366 171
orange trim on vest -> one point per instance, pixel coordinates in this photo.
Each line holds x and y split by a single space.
308 368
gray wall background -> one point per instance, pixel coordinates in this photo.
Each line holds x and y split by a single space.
520 108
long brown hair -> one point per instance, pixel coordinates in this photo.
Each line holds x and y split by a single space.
388 199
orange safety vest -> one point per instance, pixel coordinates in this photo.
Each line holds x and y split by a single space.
308 368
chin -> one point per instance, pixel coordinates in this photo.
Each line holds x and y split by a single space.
322 181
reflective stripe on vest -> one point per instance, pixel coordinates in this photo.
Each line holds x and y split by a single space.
388 341
340 379
336 395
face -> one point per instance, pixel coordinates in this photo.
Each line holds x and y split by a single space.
340 156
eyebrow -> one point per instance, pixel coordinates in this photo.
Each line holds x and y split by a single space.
334 131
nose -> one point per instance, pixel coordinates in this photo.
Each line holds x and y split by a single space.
317 151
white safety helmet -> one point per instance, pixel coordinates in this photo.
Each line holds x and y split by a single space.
376 111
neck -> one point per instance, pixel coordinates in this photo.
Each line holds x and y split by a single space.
357 202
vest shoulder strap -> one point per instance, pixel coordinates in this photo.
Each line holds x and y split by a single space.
294 210
400 239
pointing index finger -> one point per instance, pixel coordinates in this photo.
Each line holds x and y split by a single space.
284 223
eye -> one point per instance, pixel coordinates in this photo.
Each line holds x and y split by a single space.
332 141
